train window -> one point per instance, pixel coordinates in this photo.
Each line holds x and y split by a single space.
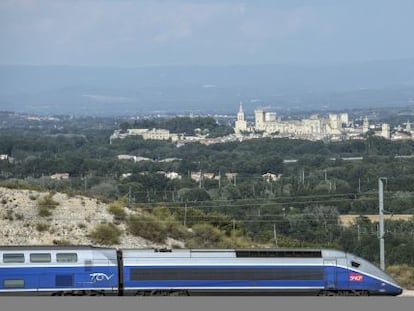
66 257
13 258
40 257
13 283
228 273
355 264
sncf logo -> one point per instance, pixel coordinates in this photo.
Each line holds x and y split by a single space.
97 277
355 277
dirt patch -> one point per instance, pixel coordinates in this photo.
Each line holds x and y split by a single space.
407 293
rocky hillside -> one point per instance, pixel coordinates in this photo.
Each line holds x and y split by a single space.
71 221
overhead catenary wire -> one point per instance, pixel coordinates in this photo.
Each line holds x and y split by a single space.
197 205
248 203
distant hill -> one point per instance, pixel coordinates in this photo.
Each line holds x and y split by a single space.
181 89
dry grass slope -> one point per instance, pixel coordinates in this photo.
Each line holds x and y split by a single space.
70 220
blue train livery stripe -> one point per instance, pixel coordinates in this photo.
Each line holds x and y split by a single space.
40 278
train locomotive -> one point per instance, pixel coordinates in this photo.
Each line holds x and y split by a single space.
88 270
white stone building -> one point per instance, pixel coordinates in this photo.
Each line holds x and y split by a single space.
314 127
60 176
386 131
155 134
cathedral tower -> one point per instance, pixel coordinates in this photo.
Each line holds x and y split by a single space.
241 124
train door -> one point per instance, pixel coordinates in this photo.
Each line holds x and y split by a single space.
330 273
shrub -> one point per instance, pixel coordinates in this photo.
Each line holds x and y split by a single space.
205 236
9 215
19 216
173 227
107 234
44 211
105 190
45 205
48 202
176 230
13 183
161 212
148 227
117 210
208 236
33 197
42 227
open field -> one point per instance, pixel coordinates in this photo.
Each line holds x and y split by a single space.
347 220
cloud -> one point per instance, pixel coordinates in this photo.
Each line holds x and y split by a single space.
129 32
104 99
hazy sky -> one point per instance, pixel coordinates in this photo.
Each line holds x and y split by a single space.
203 32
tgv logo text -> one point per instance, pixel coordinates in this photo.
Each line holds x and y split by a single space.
99 276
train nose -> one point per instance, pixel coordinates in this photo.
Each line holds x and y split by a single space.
394 290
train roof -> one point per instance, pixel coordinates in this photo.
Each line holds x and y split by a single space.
224 249
282 252
51 247
242 253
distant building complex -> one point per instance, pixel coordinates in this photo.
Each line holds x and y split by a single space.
336 126
333 127
155 134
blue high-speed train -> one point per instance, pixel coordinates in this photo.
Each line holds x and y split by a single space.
87 270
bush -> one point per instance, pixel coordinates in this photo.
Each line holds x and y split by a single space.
206 236
105 190
42 227
19 216
13 183
45 205
117 210
33 197
44 211
48 202
148 227
161 212
107 234
9 215
176 230
173 227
